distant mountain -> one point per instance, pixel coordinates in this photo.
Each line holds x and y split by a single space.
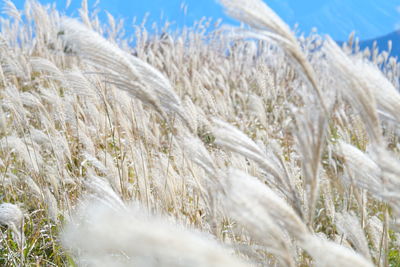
338 18
382 43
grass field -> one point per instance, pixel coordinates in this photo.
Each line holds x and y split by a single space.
211 146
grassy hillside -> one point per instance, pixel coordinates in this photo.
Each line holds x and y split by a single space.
232 147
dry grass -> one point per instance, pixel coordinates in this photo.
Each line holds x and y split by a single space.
206 147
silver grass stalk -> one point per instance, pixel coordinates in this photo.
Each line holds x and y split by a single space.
40 138
12 217
390 173
260 16
101 192
199 154
310 137
125 71
355 87
374 229
44 65
76 81
235 140
11 10
349 226
367 172
386 95
51 202
3 122
263 213
29 156
97 164
258 192
33 187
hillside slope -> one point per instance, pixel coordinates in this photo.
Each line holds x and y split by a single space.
382 43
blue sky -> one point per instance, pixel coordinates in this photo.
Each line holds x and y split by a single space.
369 18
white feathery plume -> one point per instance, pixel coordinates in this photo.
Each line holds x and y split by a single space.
355 86
192 113
257 192
329 254
367 172
326 192
84 14
112 170
3 121
12 216
101 191
40 138
94 162
348 225
199 154
32 159
257 108
235 140
30 100
33 187
45 65
51 203
13 104
265 215
79 83
127 72
386 95
310 137
259 15
374 228
11 10
102 236
390 173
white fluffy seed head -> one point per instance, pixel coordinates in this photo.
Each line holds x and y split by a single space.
99 235
10 214
329 254
12 217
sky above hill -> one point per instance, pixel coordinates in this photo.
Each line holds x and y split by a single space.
369 18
